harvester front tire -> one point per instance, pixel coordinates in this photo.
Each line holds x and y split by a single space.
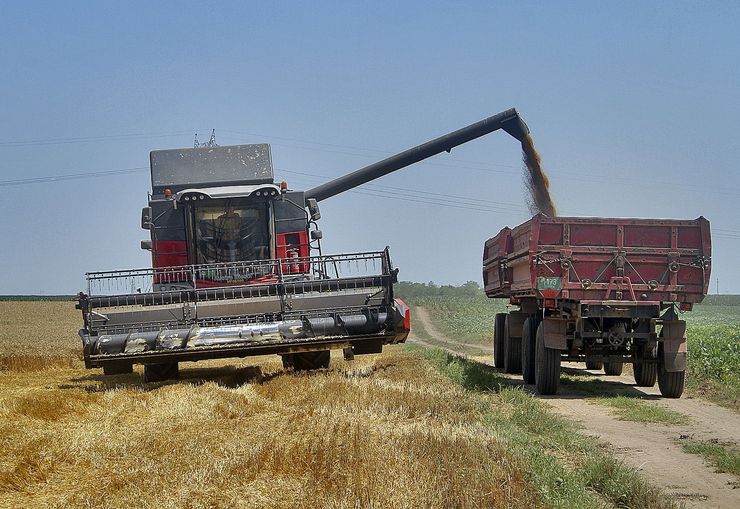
161 372
529 343
498 340
512 351
645 374
118 369
307 361
613 368
594 365
547 365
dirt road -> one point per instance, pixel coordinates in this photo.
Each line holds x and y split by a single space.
654 449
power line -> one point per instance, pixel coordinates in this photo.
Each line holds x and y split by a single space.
72 176
89 139
423 197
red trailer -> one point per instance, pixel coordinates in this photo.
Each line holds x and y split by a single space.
597 290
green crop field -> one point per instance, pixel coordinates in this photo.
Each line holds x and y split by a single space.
465 313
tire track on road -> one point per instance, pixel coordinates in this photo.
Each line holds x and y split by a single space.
653 449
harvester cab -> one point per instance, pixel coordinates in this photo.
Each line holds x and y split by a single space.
237 268
220 205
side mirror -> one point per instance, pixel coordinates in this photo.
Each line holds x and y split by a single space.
146 245
146 218
316 235
313 209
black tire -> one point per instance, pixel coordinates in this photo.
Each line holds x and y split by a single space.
547 365
613 368
594 365
498 340
529 341
670 382
161 372
118 369
645 374
512 351
307 361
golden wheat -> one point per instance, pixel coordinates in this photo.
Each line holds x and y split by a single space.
381 431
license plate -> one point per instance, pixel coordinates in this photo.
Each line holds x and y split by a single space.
549 283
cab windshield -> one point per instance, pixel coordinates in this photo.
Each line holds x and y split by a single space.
232 232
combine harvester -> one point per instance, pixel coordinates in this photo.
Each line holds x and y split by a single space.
600 291
237 267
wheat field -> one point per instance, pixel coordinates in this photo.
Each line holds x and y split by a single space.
382 431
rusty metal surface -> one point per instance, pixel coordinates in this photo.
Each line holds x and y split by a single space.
600 259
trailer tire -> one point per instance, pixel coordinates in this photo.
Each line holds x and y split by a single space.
498 340
594 365
161 372
529 343
645 374
547 365
670 382
613 368
307 361
118 369
512 351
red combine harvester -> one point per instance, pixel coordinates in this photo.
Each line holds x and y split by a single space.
237 267
600 291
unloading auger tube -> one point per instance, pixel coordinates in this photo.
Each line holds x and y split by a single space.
508 120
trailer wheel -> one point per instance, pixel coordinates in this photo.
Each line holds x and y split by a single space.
118 369
512 351
529 342
645 374
547 365
307 361
613 368
161 372
594 365
670 382
498 339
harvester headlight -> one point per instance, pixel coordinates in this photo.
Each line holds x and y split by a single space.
202 197
258 193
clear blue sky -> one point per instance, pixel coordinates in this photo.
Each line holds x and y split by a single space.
635 108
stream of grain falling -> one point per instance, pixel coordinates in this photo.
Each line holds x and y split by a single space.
536 180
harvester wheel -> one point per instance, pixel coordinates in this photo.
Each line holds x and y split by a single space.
529 343
594 365
613 368
546 365
118 369
498 340
670 382
512 351
645 374
161 372
307 361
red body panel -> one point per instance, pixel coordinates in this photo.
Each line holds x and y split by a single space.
294 247
597 259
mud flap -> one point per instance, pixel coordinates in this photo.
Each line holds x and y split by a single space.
674 345
555 330
516 324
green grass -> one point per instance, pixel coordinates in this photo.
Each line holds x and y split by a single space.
568 468
461 312
713 339
628 408
724 459
465 313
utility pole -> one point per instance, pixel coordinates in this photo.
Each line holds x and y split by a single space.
716 288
